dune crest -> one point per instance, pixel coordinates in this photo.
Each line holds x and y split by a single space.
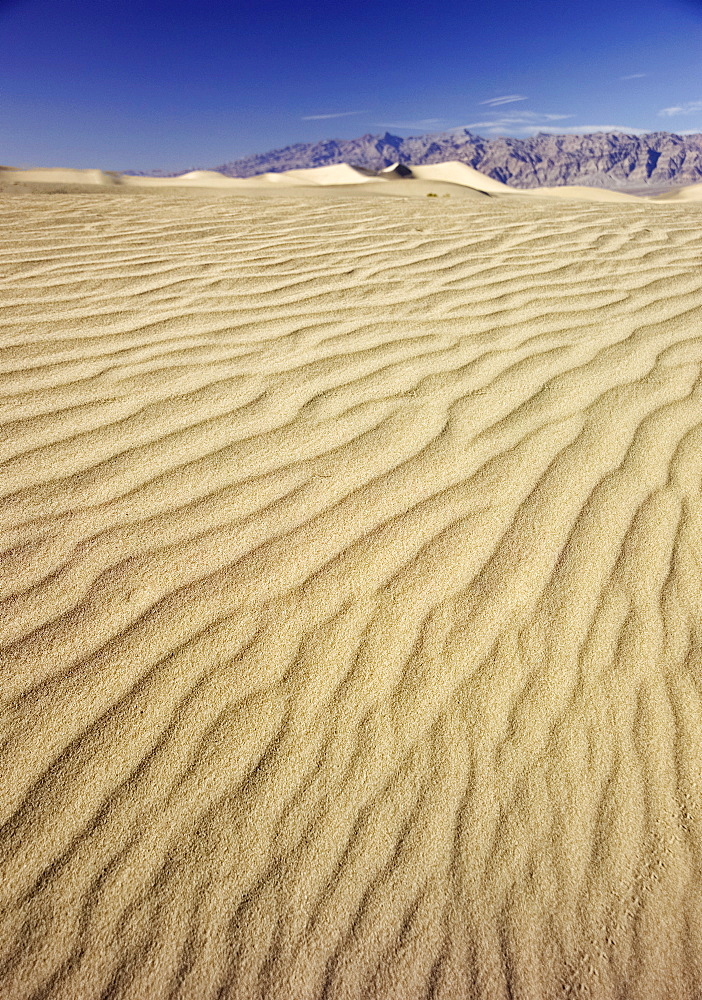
445 178
692 192
460 173
351 598
58 175
582 193
339 173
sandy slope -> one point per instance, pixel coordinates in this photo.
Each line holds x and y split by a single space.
581 193
351 598
452 177
58 175
692 192
460 173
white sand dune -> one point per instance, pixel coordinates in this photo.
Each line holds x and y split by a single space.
317 181
396 170
338 173
204 178
58 175
692 192
351 597
195 179
460 173
581 193
451 177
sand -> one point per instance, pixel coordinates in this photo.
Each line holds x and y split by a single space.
451 178
351 596
692 192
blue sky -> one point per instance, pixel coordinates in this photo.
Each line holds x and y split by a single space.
143 84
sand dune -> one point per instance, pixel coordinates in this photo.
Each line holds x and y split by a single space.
451 178
315 182
692 192
460 173
581 193
58 175
339 173
201 178
351 598
397 170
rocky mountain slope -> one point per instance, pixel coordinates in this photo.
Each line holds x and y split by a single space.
604 159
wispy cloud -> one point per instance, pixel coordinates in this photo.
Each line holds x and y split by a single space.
688 108
587 129
338 114
529 123
634 76
510 122
494 102
517 120
421 123
524 123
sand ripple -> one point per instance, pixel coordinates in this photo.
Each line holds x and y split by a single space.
351 599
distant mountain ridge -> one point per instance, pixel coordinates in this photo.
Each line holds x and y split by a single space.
603 159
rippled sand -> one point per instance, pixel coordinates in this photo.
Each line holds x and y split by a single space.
352 598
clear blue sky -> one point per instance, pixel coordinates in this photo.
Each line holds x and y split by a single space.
142 84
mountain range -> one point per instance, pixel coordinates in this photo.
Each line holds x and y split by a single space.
658 160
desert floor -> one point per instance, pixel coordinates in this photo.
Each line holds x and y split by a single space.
351 598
